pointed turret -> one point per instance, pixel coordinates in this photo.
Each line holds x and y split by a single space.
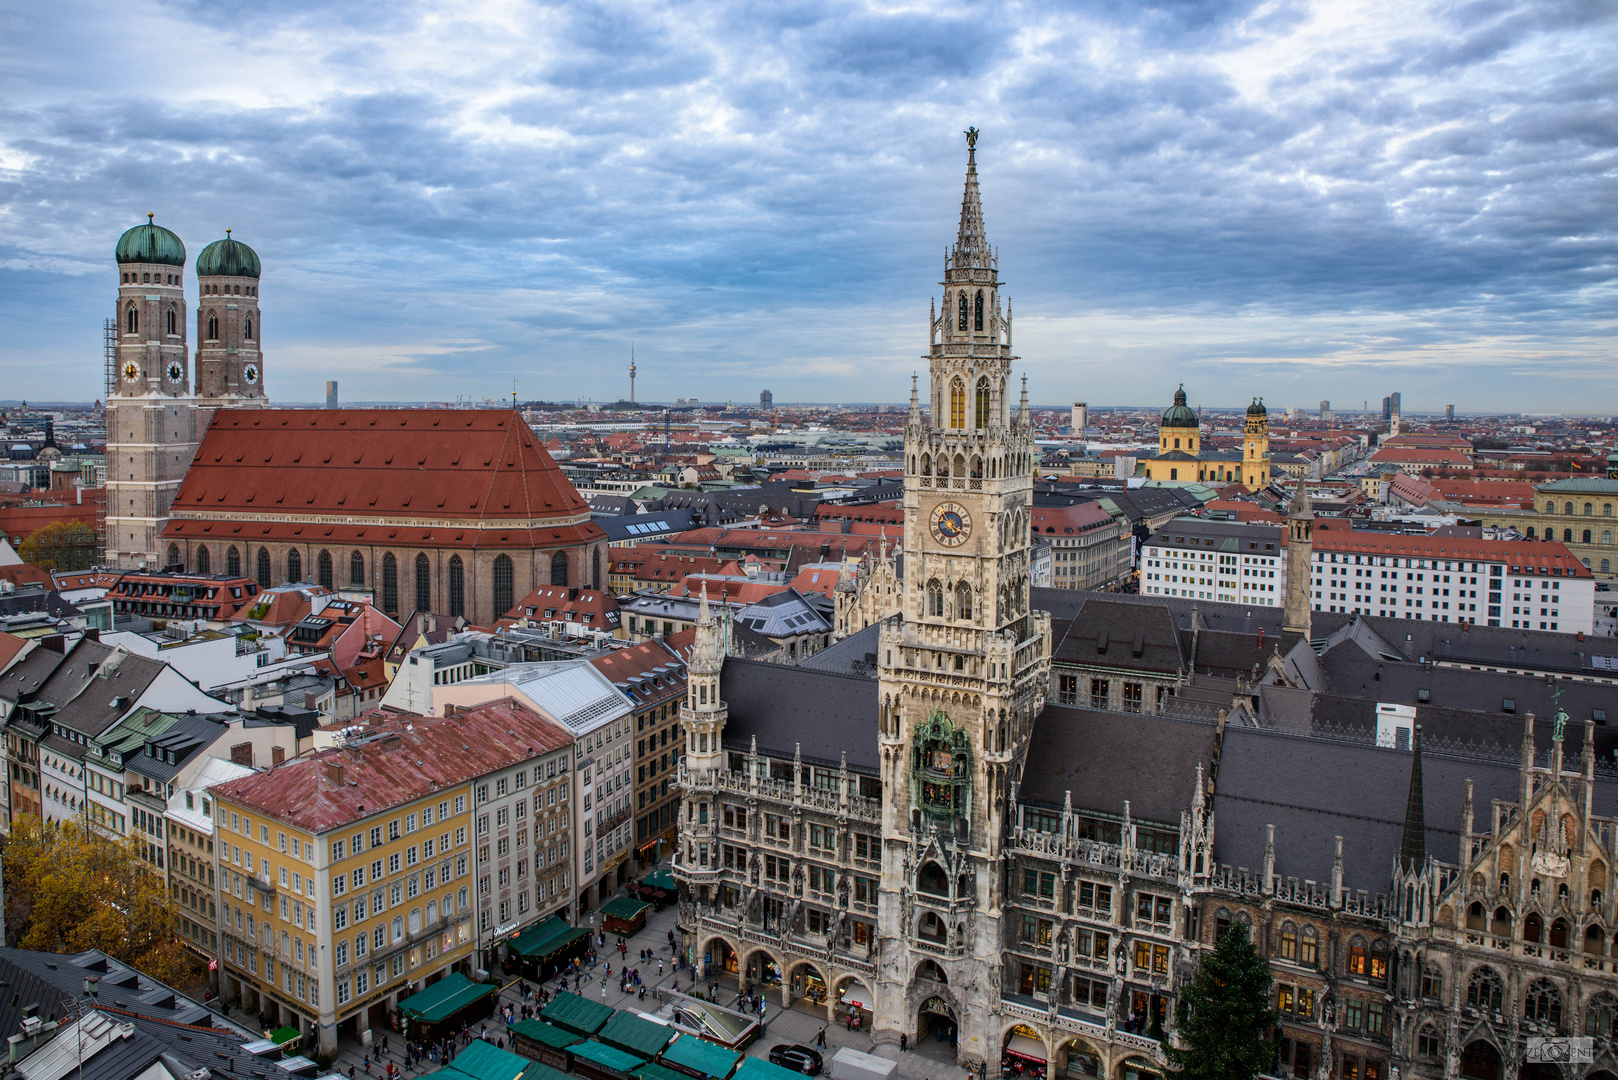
1295 617
971 245
1413 848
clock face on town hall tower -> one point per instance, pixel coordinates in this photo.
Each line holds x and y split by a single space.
951 524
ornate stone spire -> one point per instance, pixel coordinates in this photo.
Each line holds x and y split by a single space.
971 245
1413 849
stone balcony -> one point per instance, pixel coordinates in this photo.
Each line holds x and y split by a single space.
785 792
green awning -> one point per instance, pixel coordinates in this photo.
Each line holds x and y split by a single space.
609 1056
538 1070
659 879
483 1060
546 938
445 998
653 1071
623 907
284 1034
544 1034
636 1034
577 1014
701 1056
753 1068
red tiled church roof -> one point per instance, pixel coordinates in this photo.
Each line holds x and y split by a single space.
481 468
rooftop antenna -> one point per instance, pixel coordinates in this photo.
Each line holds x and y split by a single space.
513 393
632 373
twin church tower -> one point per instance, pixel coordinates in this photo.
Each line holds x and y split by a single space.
164 395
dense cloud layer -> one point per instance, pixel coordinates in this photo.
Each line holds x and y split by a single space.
1300 200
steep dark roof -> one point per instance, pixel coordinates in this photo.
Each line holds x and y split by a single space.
854 655
1313 790
790 707
1126 635
1098 758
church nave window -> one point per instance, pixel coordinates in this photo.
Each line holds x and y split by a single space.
957 400
960 322
977 312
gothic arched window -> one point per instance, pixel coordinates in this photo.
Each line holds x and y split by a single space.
294 566
1483 990
983 404
935 598
595 568
203 560
323 569
957 404
960 322
233 562
213 327
264 568
977 312
963 601
247 328
1600 1014
503 599
390 583
132 321
559 568
1543 1003
174 555
424 583
356 569
174 322
457 587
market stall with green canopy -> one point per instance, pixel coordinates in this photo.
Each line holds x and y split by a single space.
624 915
538 1070
543 1042
598 1061
482 1060
699 1058
658 886
580 1015
653 1071
634 1033
446 1005
547 946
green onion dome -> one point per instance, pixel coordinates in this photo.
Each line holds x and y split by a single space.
1257 408
150 243
227 258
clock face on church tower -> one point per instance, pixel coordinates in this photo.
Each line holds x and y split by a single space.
131 371
951 524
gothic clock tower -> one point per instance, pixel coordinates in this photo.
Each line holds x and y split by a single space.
963 668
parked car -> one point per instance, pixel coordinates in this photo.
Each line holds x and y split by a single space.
799 1058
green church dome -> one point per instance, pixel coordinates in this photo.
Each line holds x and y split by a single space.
1179 415
150 243
227 258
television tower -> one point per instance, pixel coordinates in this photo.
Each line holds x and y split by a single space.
632 373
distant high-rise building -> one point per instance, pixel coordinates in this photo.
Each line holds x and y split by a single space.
331 393
766 400
1387 408
1449 412
1081 416
1325 410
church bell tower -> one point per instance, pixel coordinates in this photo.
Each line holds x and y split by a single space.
963 668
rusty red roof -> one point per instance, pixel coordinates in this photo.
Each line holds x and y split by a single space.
481 471
397 761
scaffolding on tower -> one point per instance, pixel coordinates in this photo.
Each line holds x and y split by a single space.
109 357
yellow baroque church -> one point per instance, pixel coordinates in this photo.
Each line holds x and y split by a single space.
1180 456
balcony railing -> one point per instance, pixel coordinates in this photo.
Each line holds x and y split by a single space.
784 791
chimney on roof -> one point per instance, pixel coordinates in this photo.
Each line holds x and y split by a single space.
451 710
334 772
310 701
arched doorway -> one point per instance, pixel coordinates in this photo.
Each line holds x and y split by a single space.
936 1029
762 971
1022 1053
1480 1061
1139 1069
808 985
1079 1058
853 996
718 957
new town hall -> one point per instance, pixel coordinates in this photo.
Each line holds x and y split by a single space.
967 830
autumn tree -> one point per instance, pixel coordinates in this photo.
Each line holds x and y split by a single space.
61 545
1224 1018
69 887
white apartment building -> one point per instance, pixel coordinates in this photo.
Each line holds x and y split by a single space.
1522 584
1224 561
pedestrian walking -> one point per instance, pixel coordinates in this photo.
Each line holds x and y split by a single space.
904 1041
820 1038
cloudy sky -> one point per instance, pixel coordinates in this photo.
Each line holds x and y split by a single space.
1305 200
